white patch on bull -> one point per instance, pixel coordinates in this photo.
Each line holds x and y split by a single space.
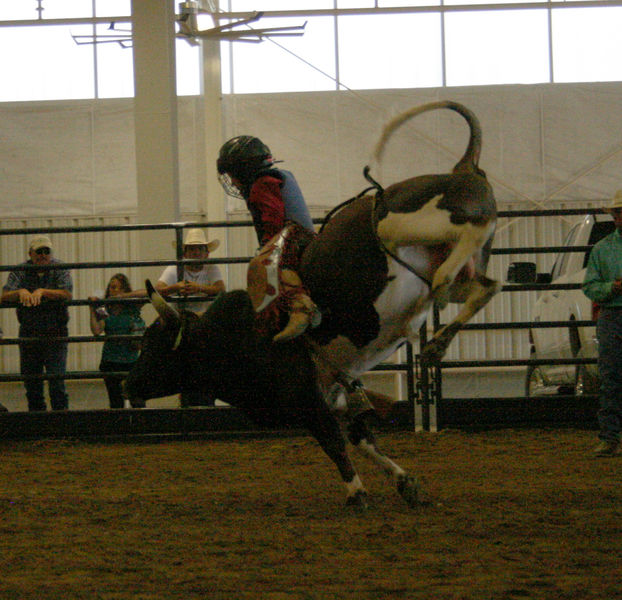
384 462
354 486
429 225
400 295
336 397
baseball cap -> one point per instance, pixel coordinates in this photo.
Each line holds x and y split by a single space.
41 241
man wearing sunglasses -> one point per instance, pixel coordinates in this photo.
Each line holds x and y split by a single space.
42 313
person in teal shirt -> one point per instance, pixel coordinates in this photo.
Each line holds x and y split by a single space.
603 285
117 319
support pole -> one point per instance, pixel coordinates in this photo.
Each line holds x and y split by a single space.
211 94
155 125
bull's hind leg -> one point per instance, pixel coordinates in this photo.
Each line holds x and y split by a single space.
471 239
362 438
480 290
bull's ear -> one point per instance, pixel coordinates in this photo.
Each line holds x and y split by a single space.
167 313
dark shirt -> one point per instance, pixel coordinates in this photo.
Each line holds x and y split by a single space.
126 322
51 316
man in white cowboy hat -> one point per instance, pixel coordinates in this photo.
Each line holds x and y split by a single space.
42 313
603 285
198 280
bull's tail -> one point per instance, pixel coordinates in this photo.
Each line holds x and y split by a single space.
469 160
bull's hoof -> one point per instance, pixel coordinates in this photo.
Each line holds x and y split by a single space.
358 501
408 488
432 353
441 295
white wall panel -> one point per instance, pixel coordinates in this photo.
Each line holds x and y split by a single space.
113 159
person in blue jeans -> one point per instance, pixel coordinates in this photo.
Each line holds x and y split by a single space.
41 297
117 319
603 285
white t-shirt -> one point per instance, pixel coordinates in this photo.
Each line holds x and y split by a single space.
208 275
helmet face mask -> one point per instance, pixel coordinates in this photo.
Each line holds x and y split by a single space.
242 158
230 188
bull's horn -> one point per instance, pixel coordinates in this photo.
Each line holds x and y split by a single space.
165 310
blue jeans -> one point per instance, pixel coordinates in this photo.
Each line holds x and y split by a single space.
609 332
113 383
37 357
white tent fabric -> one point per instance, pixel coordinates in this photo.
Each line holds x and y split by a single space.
541 143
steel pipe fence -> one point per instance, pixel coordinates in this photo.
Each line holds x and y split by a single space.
178 229
423 382
438 411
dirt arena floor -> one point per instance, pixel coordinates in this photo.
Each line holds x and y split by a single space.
510 515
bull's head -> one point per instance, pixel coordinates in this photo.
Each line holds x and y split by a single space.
182 351
161 367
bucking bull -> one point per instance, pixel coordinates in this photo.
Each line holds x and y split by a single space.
373 272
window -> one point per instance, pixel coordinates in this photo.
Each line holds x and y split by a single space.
44 63
390 51
115 68
587 44
436 43
497 47
188 68
286 64
253 5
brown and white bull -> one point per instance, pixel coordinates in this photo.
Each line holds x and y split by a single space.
373 271
380 263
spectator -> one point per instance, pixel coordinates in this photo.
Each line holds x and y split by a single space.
603 284
42 313
198 280
117 319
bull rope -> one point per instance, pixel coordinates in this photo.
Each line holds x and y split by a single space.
350 383
377 207
337 208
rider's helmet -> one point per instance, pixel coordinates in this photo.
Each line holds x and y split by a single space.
241 159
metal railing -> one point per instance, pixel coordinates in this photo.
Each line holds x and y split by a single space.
430 392
423 382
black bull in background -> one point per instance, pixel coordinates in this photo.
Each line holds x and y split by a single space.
374 270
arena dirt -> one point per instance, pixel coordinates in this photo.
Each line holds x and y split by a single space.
509 515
